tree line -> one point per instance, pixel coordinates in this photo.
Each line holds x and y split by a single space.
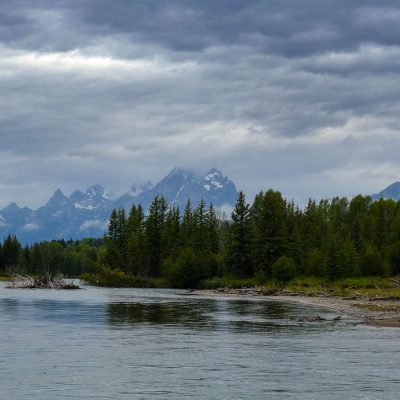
181 247
71 258
270 238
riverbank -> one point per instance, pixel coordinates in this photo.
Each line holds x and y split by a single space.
373 311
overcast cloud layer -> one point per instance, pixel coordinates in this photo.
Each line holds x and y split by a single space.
302 96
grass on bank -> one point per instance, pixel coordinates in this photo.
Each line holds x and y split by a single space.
346 287
313 286
308 286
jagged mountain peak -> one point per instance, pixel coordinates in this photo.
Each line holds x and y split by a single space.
12 207
57 198
184 173
214 180
86 214
77 195
95 191
213 172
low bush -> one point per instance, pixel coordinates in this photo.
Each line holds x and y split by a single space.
108 277
284 269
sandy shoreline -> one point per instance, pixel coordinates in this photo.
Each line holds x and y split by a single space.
369 311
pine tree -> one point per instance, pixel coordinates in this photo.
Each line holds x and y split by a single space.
333 257
154 230
187 226
200 228
136 243
212 227
36 260
170 241
295 245
359 221
26 259
269 240
238 256
116 239
11 248
112 232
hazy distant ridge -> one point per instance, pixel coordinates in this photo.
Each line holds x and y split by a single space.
391 192
86 214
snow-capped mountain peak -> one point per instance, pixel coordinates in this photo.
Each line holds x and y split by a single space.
214 180
86 214
95 191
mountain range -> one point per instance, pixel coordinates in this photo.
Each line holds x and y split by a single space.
86 214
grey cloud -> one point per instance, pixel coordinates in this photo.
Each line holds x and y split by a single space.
290 28
280 93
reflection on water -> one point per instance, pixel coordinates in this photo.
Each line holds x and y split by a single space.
185 314
157 344
206 314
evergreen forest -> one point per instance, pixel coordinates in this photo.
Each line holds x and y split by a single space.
271 238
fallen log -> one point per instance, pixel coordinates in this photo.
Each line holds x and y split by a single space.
40 282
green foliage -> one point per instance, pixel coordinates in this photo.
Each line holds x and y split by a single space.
239 239
108 277
328 241
372 263
10 253
189 268
284 269
153 234
364 283
315 263
136 256
269 231
393 253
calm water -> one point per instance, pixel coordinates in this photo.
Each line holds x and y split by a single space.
158 344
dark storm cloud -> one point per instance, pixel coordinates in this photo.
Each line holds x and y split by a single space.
301 95
291 28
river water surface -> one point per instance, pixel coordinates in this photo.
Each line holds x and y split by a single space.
157 344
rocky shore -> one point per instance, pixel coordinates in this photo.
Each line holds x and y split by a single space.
374 311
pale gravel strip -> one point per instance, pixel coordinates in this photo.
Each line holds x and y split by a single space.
353 307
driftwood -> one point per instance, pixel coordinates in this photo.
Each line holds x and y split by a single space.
40 282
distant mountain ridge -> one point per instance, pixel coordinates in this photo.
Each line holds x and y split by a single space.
391 192
86 214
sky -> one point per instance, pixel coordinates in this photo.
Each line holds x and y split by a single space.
297 95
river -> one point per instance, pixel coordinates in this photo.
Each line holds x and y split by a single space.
156 344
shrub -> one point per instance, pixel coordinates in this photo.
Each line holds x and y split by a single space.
189 268
372 263
284 269
315 264
107 277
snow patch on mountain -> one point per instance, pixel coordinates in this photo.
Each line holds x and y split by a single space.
31 227
92 223
89 207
